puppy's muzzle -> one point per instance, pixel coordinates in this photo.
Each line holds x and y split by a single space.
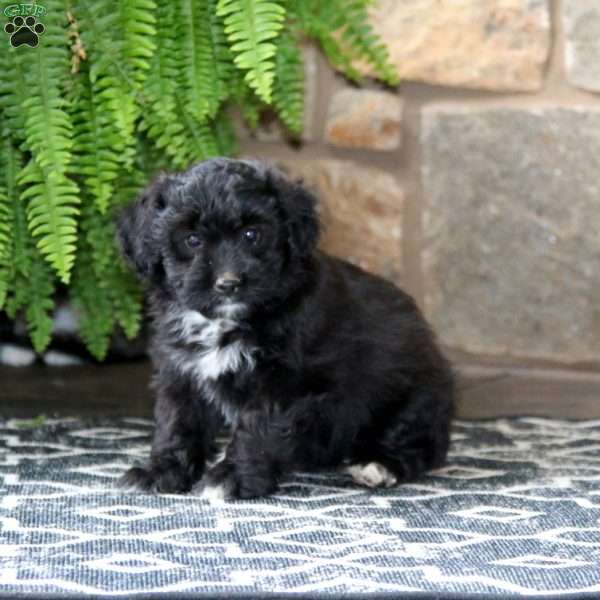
228 283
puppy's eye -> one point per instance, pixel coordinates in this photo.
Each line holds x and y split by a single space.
251 235
193 241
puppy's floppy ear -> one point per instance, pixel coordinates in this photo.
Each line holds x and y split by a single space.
300 215
137 231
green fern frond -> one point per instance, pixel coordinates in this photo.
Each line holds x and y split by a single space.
22 252
32 283
342 27
22 244
47 124
40 304
138 24
4 283
52 196
104 290
247 101
201 142
206 58
251 27
358 34
288 91
51 209
5 243
116 95
203 137
160 119
113 84
6 198
9 164
192 18
224 133
95 156
13 90
96 319
128 303
323 21
221 59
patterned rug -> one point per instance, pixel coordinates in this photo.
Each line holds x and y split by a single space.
516 512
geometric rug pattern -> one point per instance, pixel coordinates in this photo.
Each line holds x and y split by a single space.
516 512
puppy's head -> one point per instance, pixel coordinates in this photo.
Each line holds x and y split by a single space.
225 237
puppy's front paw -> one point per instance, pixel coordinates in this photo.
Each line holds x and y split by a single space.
136 479
226 482
154 480
218 483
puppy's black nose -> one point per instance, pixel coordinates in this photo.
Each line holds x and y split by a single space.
227 283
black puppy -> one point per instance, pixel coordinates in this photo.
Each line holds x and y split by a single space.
312 361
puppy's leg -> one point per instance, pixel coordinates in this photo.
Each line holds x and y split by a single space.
183 441
268 444
412 442
252 462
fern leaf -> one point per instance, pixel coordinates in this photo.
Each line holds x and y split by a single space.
104 291
224 134
32 283
4 283
128 301
5 203
323 21
114 85
22 246
40 304
96 319
5 242
51 215
13 90
342 27
138 26
288 91
251 27
202 137
194 82
358 34
247 100
53 197
206 58
9 164
160 119
22 253
95 141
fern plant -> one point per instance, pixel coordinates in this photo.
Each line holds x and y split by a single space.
117 89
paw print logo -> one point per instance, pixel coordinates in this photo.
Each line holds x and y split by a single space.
24 31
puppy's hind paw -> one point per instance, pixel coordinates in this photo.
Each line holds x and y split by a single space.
372 475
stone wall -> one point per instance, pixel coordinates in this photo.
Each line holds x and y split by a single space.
476 184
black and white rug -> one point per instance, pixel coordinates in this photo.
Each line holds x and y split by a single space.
515 512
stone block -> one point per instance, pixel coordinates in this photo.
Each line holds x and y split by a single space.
581 20
512 230
489 44
366 119
361 208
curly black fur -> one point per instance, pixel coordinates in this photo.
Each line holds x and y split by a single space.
312 361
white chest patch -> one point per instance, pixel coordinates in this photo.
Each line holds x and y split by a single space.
211 359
